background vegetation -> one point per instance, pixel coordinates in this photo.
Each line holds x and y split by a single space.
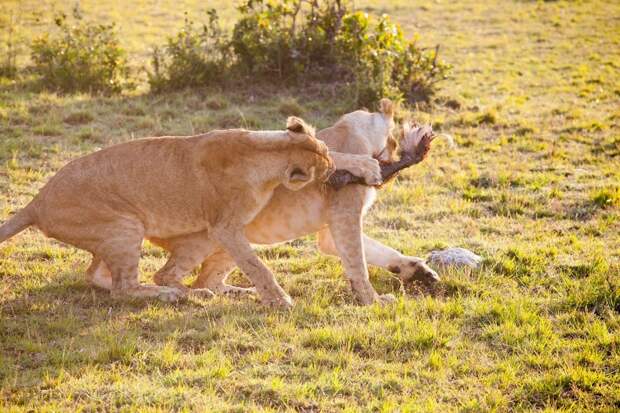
82 58
297 42
532 101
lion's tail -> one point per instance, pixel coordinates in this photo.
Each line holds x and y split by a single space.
16 224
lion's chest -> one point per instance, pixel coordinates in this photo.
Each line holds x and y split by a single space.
288 215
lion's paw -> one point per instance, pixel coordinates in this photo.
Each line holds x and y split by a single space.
415 269
284 302
363 166
385 299
170 295
370 170
203 293
232 290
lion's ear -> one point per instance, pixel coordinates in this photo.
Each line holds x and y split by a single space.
297 125
387 107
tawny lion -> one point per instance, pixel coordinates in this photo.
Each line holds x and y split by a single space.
336 215
209 186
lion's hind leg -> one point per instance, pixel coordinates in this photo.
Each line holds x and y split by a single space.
186 253
214 272
121 254
98 274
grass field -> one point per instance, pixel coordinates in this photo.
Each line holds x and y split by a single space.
533 102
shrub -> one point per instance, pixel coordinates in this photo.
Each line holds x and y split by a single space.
9 47
263 41
296 41
382 62
192 57
83 58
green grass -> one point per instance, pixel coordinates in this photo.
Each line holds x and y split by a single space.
533 187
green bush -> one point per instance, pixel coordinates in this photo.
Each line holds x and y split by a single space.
383 63
195 56
260 41
83 58
298 41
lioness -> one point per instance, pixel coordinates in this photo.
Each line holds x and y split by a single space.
336 216
209 186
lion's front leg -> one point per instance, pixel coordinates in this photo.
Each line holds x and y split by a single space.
345 226
407 268
364 166
233 240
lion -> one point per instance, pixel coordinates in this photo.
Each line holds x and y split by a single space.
336 216
209 186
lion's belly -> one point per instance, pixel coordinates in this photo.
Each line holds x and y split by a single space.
289 215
